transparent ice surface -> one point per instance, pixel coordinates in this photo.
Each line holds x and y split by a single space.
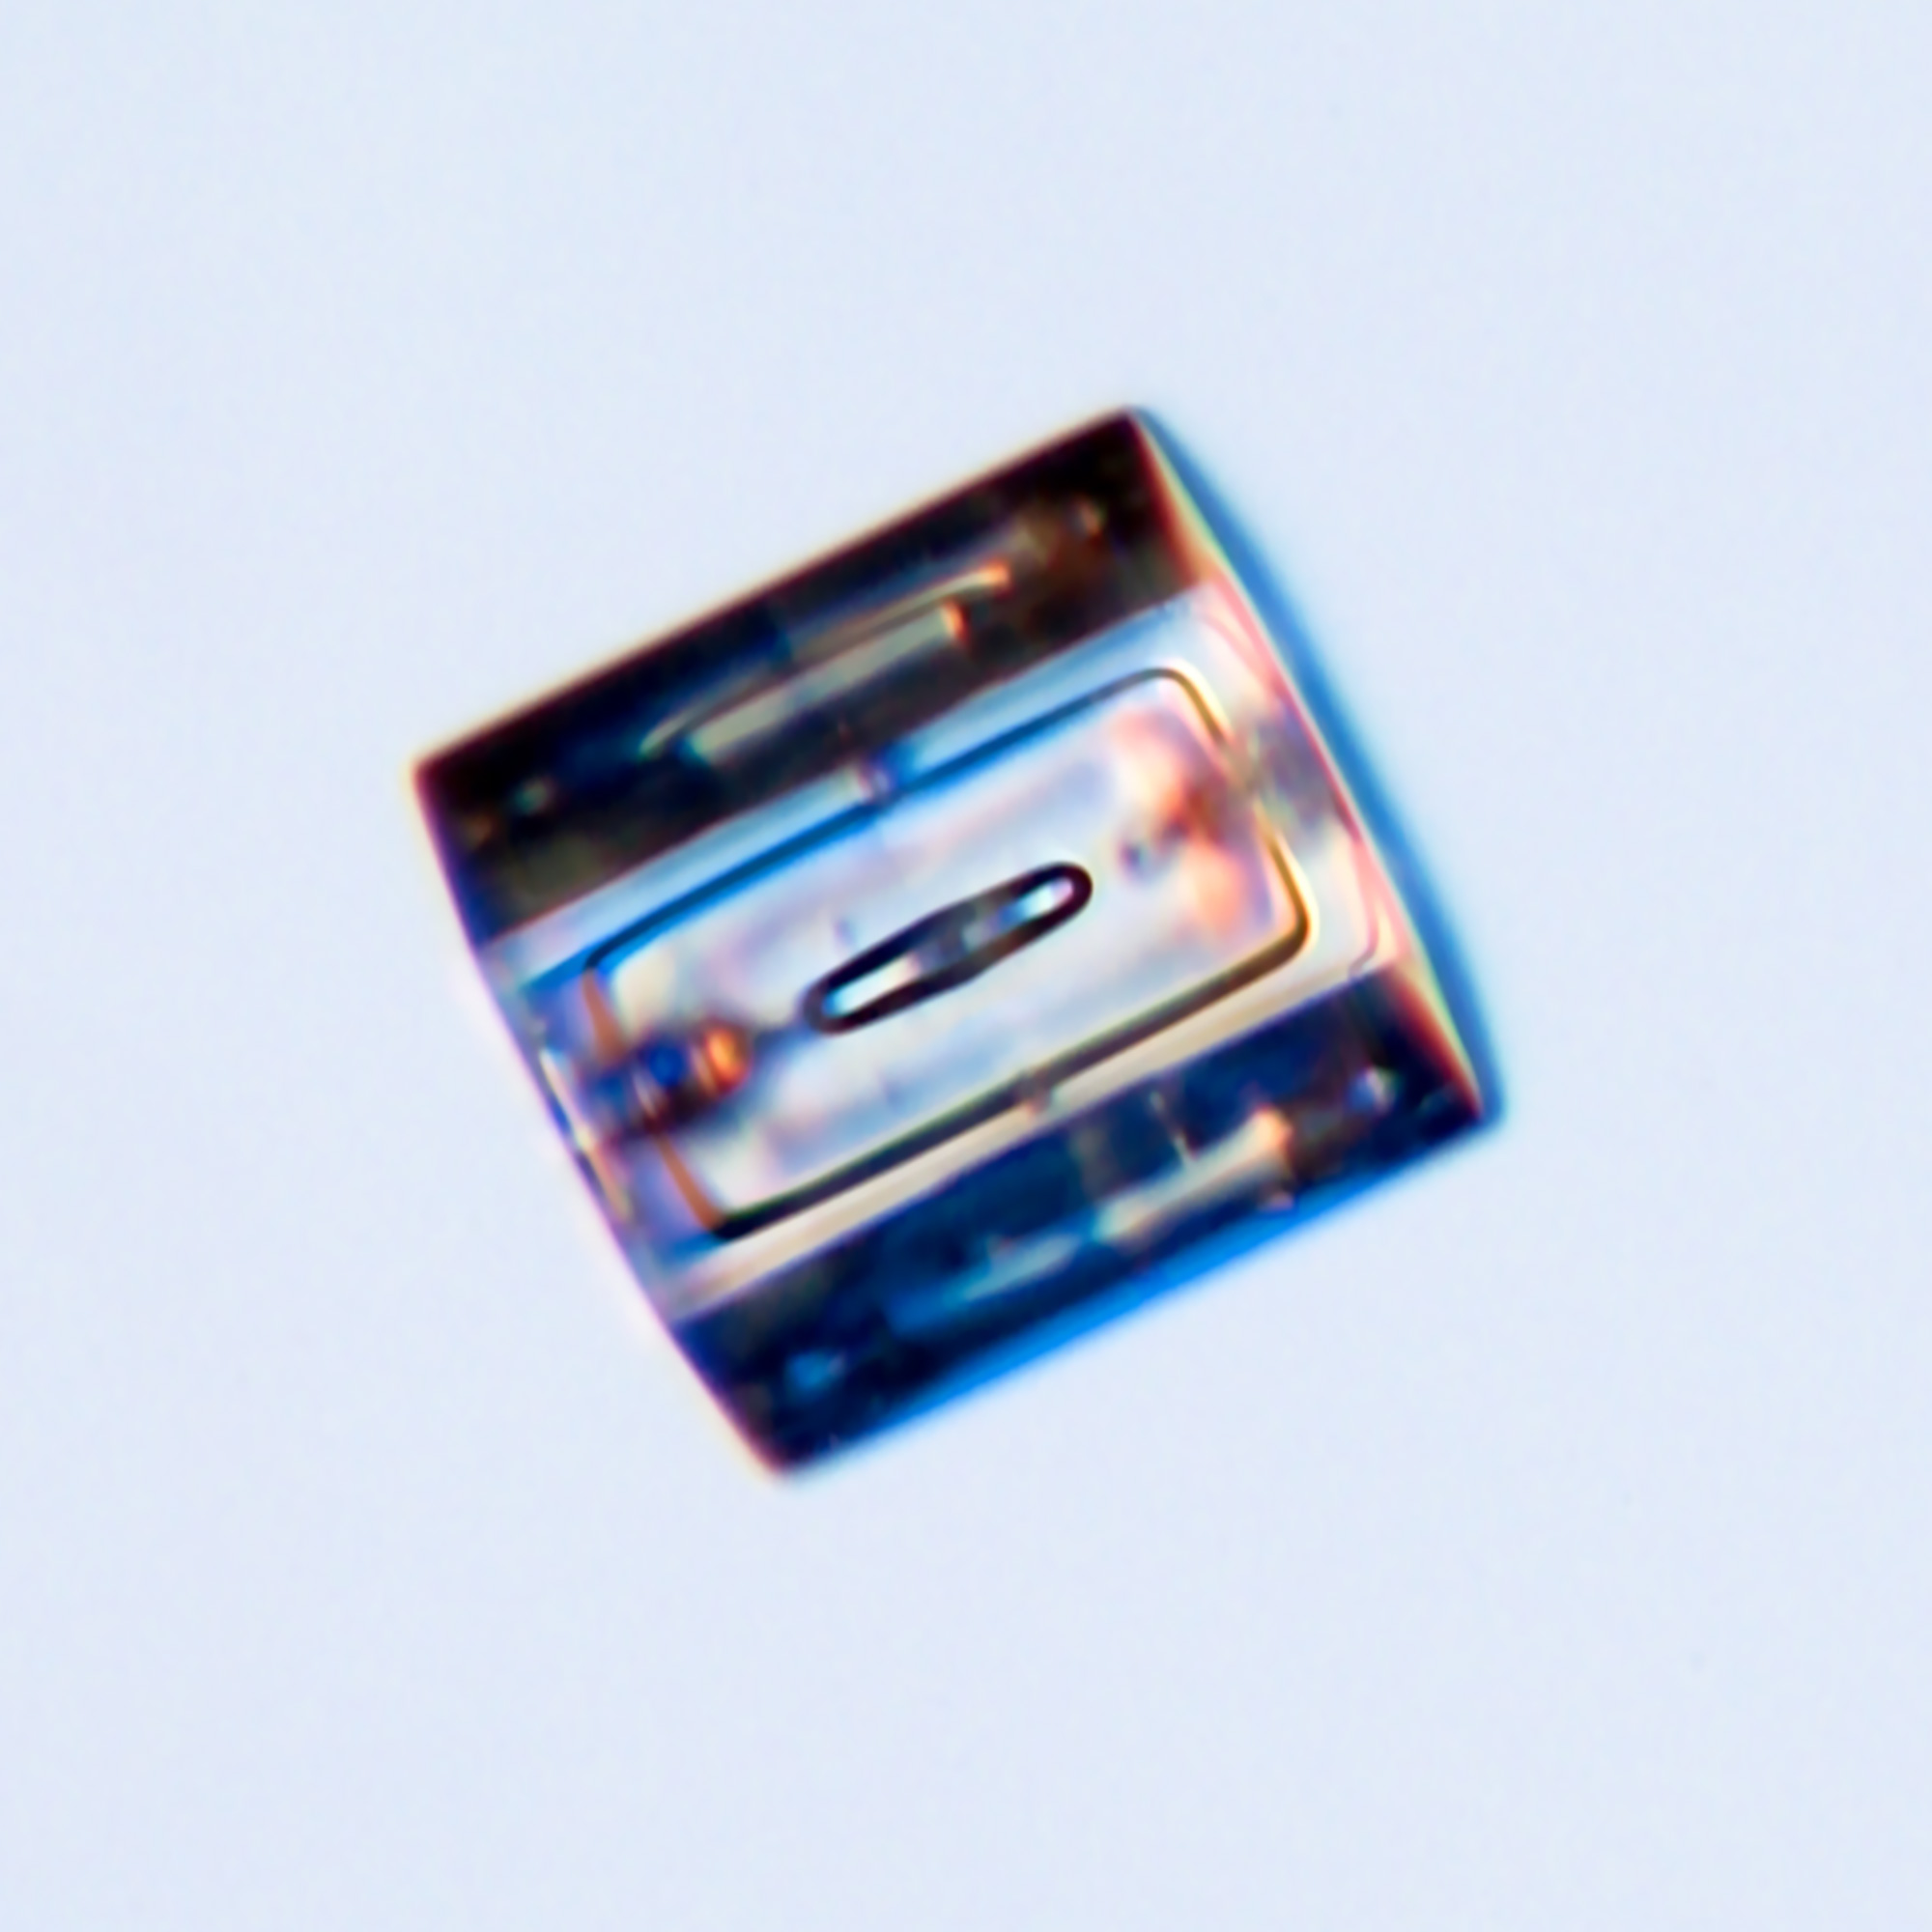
938 942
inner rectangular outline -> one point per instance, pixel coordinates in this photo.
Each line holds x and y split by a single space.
741 1222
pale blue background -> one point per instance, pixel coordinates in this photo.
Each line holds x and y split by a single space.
1545 1542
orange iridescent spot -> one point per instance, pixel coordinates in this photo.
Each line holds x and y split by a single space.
726 1053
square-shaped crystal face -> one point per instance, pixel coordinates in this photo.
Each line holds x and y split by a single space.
928 945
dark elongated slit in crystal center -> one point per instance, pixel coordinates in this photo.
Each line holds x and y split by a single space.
946 948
